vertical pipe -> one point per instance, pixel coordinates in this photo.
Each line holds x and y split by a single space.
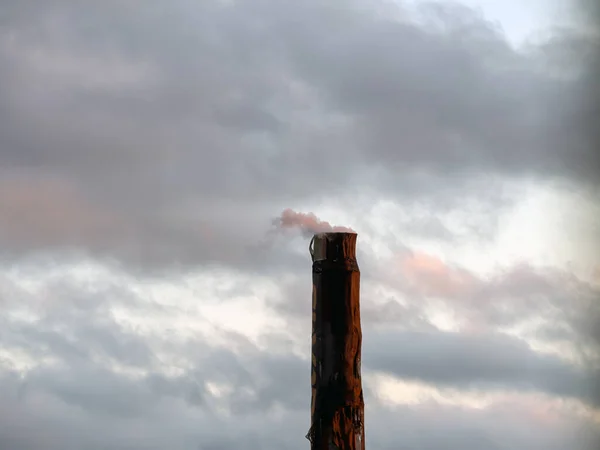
337 406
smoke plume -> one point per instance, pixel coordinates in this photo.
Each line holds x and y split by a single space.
307 223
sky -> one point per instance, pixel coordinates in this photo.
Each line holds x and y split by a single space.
162 164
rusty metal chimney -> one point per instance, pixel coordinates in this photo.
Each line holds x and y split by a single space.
337 407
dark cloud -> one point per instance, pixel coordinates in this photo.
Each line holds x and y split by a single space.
487 361
43 419
69 405
207 120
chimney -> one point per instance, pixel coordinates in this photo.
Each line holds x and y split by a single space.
337 407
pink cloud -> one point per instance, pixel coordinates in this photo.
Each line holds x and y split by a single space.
49 210
430 276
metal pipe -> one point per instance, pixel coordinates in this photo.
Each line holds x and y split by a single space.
337 406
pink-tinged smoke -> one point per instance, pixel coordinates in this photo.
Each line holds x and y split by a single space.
307 223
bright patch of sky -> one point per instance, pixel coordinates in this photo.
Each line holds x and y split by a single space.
546 225
522 20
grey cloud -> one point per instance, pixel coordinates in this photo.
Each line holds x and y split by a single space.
293 304
85 341
96 391
205 108
567 303
79 404
516 295
87 332
465 430
150 135
480 362
430 227
104 375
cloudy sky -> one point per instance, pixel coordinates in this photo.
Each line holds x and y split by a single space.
149 297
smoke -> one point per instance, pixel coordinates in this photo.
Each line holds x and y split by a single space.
307 223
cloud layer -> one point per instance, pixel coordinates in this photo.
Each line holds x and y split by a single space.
167 141
146 149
